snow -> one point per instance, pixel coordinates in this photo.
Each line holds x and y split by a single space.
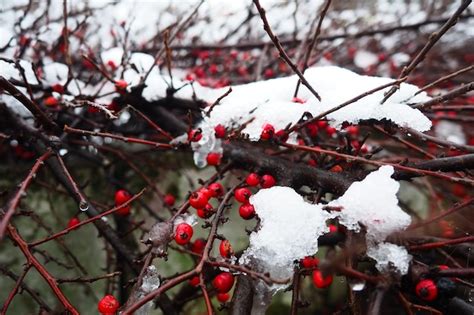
373 203
55 72
290 227
364 59
450 131
390 256
9 71
270 101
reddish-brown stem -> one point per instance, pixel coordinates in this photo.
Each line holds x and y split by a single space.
113 136
18 240
15 201
431 42
283 54
151 123
205 294
14 291
378 163
432 245
103 214
442 215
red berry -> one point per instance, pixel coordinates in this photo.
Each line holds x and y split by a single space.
124 211
198 199
112 64
353 130
443 267
223 297
268 73
213 69
320 281
282 135
194 135
309 262
214 158
169 200
223 282
247 211
322 124
189 77
207 192
198 246
332 228
252 179
312 129
205 212
92 109
225 249
427 290
267 132
121 197
459 190
121 85
51 101
330 130
298 100
268 181
219 131
242 71
216 189
183 233
73 222
58 88
194 281
336 169
312 162
108 305
242 194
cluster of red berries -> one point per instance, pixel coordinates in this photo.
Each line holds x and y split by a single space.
200 201
320 280
242 195
223 283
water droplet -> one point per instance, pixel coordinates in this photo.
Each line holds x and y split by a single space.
14 143
63 152
357 285
104 219
83 206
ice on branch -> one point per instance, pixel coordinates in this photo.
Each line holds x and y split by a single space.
290 227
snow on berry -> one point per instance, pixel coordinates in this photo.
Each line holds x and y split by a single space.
290 227
373 203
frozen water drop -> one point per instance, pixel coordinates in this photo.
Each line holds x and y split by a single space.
357 285
83 206
63 152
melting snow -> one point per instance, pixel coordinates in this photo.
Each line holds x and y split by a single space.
290 226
